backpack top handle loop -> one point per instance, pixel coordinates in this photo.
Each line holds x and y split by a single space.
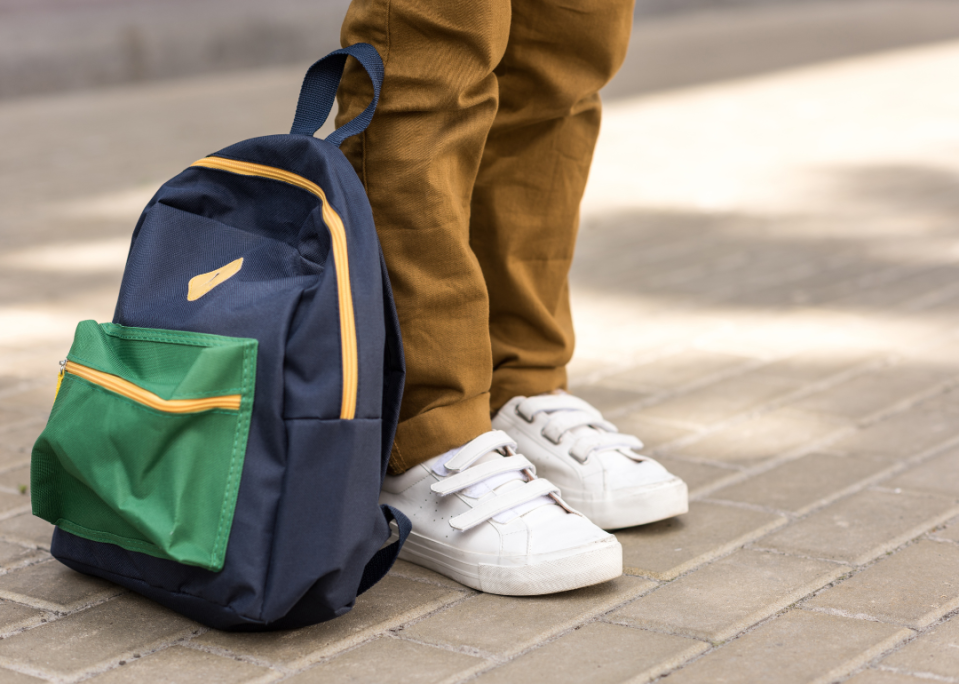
319 92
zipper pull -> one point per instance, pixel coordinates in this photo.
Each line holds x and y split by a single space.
63 370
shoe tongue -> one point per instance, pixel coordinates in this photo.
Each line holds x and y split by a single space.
498 483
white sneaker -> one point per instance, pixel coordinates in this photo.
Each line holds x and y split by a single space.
482 518
598 470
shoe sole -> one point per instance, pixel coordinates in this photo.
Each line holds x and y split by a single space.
543 574
634 506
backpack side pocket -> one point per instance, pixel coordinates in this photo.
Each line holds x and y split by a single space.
146 441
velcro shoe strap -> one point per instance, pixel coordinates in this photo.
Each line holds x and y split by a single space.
494 505
564 421
554 402
606 442
478 473
482 445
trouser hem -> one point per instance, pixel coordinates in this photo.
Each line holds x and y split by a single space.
438 430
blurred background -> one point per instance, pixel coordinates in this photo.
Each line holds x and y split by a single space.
766 283
49 46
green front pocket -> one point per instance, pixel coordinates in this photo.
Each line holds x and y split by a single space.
146 440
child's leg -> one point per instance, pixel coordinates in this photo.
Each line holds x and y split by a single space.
525 208
418 160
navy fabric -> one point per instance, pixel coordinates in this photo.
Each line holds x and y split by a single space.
319 92
307 531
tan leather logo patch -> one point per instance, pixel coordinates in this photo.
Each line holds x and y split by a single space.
203 283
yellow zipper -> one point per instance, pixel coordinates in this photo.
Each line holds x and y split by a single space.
125 388
340 260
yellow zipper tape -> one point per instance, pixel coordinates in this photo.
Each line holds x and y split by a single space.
340 260
125 388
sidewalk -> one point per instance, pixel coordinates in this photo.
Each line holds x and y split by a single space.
766 291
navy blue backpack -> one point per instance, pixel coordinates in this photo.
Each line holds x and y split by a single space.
220 447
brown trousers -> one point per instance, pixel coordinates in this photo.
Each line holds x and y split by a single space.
475 166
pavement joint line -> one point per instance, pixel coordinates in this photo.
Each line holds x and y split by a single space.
872 481
744 541
777 605
342 646
24 544
780 402
14 512
906 537
55 610
498 661
831 438
7 569
854 570
699 383
745 505
490 658
29 623
836 612
819 504
917 674
130 656
587 617
252 660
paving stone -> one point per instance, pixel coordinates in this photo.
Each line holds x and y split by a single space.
866 394
391 660
10 677
803 483
390 603
722 400
92 639
13 555
598 653
17 443
797 648
676 370
902 435
939 475
606 399
14 490
699 477
666 549
934 653
27 529
53 586
817 363
862 526
761 437
33 401
178 665
950 532
913 587
17 481
14 617
407 570
728 596
653 433
504 625
884 677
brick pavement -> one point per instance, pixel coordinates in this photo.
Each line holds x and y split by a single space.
766 292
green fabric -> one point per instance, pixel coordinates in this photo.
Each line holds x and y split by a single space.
112 470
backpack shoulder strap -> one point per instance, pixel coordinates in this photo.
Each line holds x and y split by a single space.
318 92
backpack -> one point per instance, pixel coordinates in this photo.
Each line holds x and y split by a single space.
220 446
